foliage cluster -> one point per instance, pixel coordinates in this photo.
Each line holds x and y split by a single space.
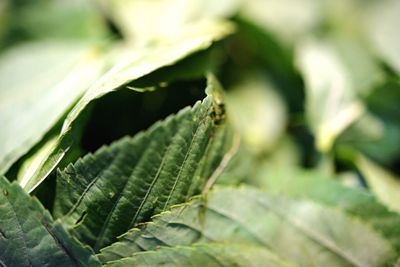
199 133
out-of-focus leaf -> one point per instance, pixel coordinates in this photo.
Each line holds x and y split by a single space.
190 68
275 16
160 17
377 132
362 69
373 136
30 237
243 163
251 168
74 20
130 66
218 255
322 188
257 47
381 27
103 195
4 17
384 101
382 183
303 232
285 158
39 82
258 113
331 94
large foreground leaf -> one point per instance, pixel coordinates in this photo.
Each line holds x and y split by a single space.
218 255
304 232
29 237
103 195
128 67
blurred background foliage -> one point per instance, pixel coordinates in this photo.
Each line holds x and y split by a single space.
312 85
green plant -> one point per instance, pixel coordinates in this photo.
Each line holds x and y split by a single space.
119 145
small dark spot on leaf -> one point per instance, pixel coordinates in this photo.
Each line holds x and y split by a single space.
5 192
81 218
218 114
3 235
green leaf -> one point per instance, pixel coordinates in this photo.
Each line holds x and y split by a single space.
385 185
39 82
103 195
303 232
333 83
360 204
377 133
374 136
258 112
150 59
274 16
144 22
24 21
261 48
217 255
128 68
30 237
383 100
381 28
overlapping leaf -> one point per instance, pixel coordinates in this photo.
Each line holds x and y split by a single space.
344 50
24 21
380 26
333 85
105 194
30 237
357 203
303 232
160 18
128 67
205 255
44 78
385 185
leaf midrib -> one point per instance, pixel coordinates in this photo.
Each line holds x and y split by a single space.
120 195
89 186
186 156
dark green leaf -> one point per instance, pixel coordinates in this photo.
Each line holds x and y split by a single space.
103 195
30 237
